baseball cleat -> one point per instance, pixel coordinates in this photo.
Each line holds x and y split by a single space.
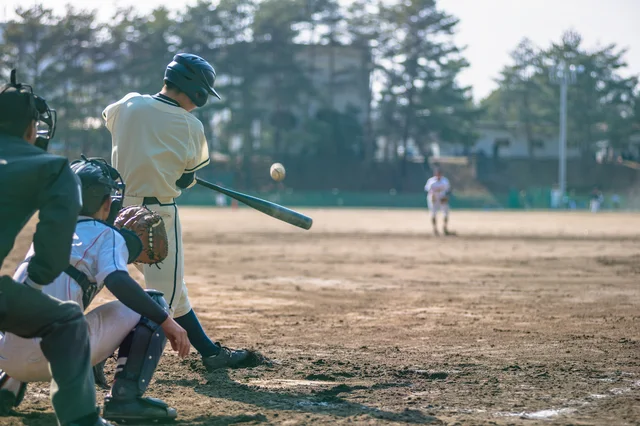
226 358
11 393
137 410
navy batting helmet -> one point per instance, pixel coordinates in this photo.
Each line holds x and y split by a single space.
99 180
192 75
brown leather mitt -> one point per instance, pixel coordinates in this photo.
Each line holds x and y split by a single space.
149 227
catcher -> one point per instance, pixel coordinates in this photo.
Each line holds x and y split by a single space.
136 323
438 190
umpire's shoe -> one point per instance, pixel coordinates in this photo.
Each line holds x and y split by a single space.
137 410
226 358
98 422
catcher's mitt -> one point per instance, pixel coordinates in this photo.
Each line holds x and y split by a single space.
149 227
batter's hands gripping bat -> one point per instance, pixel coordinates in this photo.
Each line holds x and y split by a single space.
267 207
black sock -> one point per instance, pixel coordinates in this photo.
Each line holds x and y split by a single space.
197 336
123 353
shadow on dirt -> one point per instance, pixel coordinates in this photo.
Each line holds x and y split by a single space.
30 418
317 401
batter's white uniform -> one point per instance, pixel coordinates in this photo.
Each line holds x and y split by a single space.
437 190
97 250
154 142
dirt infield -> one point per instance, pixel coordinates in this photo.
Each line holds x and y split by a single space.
522 318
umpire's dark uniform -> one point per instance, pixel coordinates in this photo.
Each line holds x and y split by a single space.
30 180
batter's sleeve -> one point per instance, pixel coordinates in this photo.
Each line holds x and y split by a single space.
112 254
59 203
200 157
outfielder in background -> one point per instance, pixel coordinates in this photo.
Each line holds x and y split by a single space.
137 323
157 146
438 190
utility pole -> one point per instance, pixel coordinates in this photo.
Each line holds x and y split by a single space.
564 76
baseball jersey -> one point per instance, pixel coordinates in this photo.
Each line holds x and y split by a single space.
154 142
97 250
437 187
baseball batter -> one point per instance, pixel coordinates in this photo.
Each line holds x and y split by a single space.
158 146
136 323
438 189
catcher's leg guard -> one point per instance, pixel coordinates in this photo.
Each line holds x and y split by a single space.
131 381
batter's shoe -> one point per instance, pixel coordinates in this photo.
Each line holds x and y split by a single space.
226 358
138 410
11 393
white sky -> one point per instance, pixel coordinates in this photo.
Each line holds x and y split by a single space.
489 28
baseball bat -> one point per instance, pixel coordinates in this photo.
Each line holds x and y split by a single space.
267 207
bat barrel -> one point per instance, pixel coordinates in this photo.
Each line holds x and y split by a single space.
267 207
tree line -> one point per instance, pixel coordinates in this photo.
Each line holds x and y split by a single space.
80 65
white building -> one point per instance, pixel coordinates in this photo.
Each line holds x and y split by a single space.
508 141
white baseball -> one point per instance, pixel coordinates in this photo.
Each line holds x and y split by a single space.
277 172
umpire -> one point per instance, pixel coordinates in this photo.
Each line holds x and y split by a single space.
30 180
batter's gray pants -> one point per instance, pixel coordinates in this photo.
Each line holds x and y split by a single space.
28 313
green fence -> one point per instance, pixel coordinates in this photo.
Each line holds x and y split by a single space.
534 198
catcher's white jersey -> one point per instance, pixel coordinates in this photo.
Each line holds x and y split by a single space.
97 250
153 143
437 188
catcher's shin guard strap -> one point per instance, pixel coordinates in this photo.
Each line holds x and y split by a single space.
146 349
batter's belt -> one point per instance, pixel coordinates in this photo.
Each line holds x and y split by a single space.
149 201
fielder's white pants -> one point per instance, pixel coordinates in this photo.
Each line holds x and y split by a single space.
595 206
109 324
168 276
436 206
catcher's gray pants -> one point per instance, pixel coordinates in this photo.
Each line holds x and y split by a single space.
65 343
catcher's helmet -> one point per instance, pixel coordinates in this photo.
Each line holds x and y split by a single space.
98 180
192 75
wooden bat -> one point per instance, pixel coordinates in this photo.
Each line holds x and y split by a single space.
267 207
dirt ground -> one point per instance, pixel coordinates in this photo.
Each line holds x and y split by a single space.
522 318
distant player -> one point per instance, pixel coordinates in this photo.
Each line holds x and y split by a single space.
438 189
136 323
158 146
596 200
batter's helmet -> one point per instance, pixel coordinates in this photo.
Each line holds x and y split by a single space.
192 75
98 180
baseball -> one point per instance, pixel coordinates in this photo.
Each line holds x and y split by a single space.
277 172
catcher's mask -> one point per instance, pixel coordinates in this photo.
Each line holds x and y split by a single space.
38 110
98 180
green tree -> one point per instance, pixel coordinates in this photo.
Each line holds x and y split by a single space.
521 84
283 80
421 64
363 27
600 102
